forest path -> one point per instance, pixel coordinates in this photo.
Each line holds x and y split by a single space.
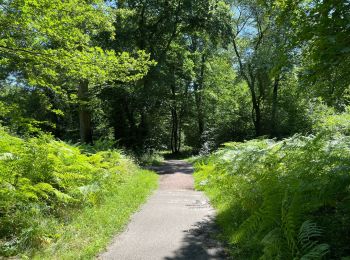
175 223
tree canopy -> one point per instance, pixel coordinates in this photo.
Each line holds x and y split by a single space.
172 74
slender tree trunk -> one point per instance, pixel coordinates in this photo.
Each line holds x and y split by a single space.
274 131
182 113
174 118
175 131
198 88
179 133
172 132
200 116
256 115
84 112
250 79
258 130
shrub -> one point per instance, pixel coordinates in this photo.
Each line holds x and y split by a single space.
150 157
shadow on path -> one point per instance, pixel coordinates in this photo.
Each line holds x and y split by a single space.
200 243
173 166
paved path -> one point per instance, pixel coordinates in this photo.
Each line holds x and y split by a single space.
176 222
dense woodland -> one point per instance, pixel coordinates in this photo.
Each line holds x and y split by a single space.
180 75
171 74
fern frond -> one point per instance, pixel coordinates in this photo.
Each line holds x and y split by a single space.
307 239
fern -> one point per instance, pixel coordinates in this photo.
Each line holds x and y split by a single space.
307 239
274 195
42 180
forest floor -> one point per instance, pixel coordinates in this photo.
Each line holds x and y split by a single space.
176 222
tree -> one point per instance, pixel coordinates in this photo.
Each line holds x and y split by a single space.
162 28
263 54
323 34
55 38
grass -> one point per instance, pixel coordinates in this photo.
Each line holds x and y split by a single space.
93 228
194 159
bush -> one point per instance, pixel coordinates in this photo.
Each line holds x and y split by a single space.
150 157
282 200
43 180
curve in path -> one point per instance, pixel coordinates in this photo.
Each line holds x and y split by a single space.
175 224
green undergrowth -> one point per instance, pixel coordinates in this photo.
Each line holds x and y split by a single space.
286 199
93 228
156 158
58 202
151 158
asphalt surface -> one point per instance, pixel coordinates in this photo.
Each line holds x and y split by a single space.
176 222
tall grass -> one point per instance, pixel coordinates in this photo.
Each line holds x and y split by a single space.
52 193
286 199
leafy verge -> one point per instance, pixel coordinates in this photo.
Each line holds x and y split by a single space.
286 199
45 184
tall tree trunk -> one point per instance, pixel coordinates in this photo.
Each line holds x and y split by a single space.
174 118
198 92
256 113
84 112
172 133
179 132
273 130
250 79
175 131
182 113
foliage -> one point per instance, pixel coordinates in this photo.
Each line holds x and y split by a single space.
43 181
170 74
227 104
321 35
27 112
53 47
92 228
151 158
57 38
184 76
326 118
285 199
